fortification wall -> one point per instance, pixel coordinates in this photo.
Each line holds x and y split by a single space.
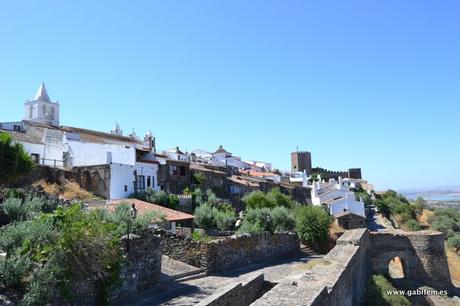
341 277
422 254
229 252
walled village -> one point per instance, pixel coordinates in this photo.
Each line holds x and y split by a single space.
149 226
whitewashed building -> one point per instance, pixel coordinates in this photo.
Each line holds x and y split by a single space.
336 195
223 158
259 165
52 144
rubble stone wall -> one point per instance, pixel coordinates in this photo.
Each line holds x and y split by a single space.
229 252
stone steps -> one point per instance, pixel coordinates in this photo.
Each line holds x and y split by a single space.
189 275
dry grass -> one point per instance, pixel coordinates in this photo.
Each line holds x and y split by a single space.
453 259
69 191
423 218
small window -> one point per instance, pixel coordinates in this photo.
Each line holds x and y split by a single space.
174 170
153 182
17 128
141 182
182 170
126 188
148 181
35 157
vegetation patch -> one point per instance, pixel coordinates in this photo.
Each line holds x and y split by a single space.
377 293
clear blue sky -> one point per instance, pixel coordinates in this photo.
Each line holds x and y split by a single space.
371 84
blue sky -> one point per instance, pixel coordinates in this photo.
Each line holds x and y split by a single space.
371 84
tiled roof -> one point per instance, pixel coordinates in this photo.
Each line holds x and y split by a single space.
142 207
345 213
258 174
240 180
202 168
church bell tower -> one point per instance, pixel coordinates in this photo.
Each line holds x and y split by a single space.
41 109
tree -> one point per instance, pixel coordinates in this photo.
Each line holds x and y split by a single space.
14 160
419 205
312 224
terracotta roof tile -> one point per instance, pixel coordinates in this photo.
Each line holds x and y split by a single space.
142 207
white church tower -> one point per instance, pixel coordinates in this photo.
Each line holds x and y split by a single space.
41 109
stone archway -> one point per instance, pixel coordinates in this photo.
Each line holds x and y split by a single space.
421 254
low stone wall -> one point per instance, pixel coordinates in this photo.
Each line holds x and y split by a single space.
237 251
229 252
185 249
240 294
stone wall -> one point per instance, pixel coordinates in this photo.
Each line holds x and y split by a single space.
340 278
140 270
229 252
237 251
240 294
422 254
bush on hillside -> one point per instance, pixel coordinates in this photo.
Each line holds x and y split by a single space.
249 228
413 225
21 210
312 224
454 242
14 160
159 197
258 199
205 215
224 220
282 219
261 217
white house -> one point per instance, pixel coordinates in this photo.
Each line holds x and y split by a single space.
259 165
63 146
337 196
176 154
223 158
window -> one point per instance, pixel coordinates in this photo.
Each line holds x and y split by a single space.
17 128
36 157
182 170
126 188
153 182
148 181
140 182
174 170
31 111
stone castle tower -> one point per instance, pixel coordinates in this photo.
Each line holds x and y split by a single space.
300 161
41 109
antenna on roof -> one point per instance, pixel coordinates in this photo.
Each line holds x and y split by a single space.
297 148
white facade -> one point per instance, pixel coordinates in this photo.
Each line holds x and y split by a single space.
122 179
61 146
348 203
322 192
260 165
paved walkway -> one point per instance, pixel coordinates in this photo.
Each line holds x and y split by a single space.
190 292
376 222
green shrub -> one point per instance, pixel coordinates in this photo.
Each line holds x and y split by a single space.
444 224
282 219
419 205
260 217
376 293
205 216
159 197
280 199
454 242
198 178
312 224
258 199
224 221
413 225
249 228
198 236
13 269
15 210
14 159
